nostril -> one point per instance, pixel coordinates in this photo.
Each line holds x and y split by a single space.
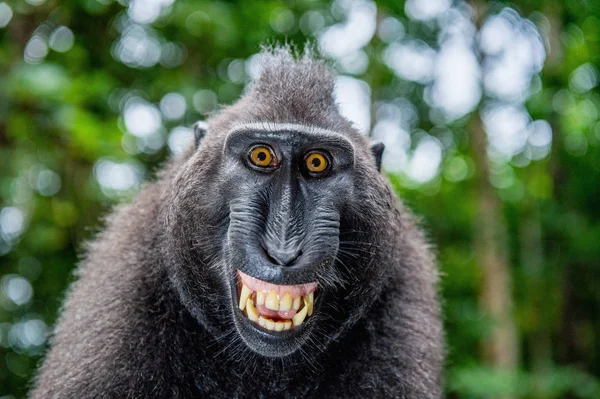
271 258
282 258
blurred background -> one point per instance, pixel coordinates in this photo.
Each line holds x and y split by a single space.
489 112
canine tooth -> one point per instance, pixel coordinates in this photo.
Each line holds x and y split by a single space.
251 310
297 303
244 296
272 302
260 298
279 326
286 302
311 302
300 316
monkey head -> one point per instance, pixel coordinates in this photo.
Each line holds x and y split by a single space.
275 223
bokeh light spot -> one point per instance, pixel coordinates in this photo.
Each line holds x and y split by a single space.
198 23
411 60
6 14
456 169
352 34
353 97
311 22
48 183
17 289
173 106
576 144
180 139
425 161
514 54
205 101
147 11
390 29
115 178
62 39
456 89
282 20
12 222
141 118
35 50
426 10
584 78
506 126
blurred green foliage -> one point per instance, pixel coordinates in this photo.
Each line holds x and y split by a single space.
70 71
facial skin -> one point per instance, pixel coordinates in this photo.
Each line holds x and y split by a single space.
285 192
296 237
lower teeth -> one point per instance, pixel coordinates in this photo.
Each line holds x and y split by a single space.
274 325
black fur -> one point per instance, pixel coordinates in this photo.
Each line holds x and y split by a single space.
377 150
199 132
151 314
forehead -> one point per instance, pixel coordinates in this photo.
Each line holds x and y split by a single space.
273 127
288 133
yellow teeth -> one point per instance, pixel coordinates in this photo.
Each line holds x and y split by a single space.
274 325
270 325
262 322
299 317
286 302
244 296
251 310
272 301
260 298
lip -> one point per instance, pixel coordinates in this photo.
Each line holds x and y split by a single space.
281 275
258 284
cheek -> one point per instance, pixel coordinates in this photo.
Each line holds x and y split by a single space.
334 191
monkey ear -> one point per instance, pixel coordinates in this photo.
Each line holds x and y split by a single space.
199 131
377 149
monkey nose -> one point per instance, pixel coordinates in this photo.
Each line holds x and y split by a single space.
283 257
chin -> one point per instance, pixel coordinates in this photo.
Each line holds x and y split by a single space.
273 320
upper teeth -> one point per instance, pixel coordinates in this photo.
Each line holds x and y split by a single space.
251 310
244 296
260 298
286 302
272 301
301 315
297 303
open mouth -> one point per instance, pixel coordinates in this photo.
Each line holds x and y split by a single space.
275 307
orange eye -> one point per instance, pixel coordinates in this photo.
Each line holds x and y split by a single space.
261 156
316 162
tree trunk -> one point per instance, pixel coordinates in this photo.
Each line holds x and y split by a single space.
500 346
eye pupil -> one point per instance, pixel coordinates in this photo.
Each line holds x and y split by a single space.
316 162
262 156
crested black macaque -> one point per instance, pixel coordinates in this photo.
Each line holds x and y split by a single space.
271 260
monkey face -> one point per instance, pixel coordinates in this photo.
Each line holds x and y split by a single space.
287 189
275 201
